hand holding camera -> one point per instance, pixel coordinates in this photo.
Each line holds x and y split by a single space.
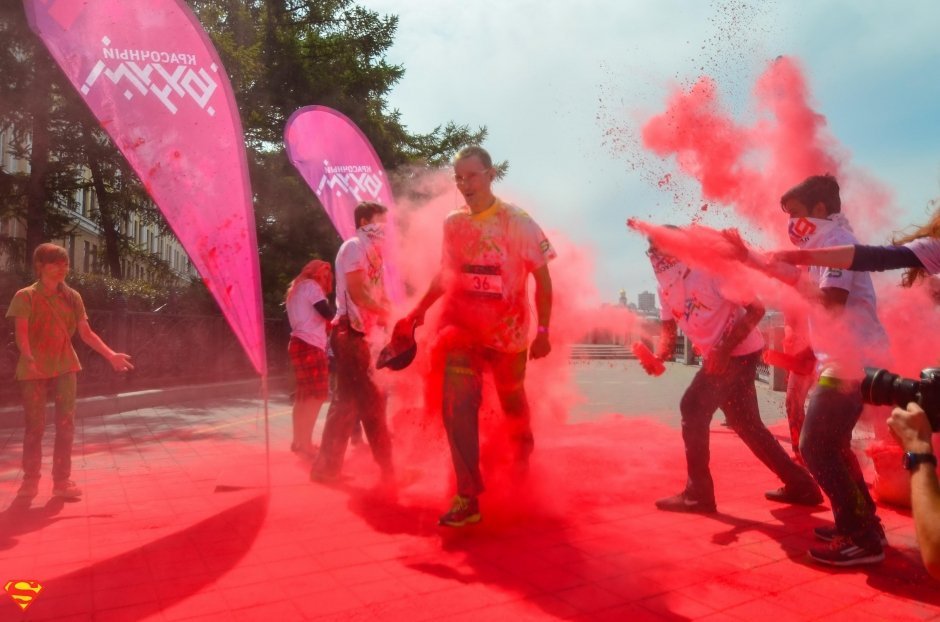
911 428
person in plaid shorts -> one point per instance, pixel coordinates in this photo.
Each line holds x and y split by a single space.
309 312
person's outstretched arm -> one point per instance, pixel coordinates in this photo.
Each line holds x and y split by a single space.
118 360
831 257
768 264
858 258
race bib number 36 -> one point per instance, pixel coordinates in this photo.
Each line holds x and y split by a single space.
482 281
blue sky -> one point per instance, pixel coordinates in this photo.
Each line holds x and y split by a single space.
549 78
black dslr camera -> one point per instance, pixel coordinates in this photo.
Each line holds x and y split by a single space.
882 387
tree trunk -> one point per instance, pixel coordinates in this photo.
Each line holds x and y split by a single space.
112 238
38 164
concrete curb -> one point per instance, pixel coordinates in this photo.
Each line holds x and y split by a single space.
99 405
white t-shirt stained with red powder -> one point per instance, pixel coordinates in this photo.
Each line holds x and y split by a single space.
928 251
693 298
487 259
358 253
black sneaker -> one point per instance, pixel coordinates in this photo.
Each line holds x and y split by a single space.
463 511
785 494
843 551
683 503
828 534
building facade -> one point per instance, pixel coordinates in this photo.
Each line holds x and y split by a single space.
84 240
646 302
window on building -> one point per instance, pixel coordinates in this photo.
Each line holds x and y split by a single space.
86 256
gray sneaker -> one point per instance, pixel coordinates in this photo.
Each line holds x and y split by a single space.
66 489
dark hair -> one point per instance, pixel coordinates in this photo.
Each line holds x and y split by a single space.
475 151
816 189
367 211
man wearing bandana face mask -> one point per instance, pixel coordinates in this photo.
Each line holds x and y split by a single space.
361 309
726 334
846 336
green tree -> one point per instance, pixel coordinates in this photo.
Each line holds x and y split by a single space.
283 55
34 112
54 131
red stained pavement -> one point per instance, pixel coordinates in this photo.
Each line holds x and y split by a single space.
177 523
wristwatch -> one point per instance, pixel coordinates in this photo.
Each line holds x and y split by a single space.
912 459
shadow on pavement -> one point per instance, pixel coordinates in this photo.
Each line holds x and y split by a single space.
157 575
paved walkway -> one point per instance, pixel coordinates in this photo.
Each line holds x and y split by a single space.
178 523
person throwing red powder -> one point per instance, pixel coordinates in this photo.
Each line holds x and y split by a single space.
489 249
725 332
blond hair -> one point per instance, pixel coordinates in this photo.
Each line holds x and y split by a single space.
310 271
929 230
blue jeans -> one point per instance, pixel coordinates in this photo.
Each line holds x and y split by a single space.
825 445
733 392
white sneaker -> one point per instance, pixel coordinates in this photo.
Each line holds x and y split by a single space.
66 489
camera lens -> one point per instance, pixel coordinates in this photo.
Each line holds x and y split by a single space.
881 387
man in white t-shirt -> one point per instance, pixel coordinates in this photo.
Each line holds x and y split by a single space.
725 333
846 336
489 250
361 311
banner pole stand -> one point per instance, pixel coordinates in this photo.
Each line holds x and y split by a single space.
267 434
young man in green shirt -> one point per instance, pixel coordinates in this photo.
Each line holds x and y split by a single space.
46 315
